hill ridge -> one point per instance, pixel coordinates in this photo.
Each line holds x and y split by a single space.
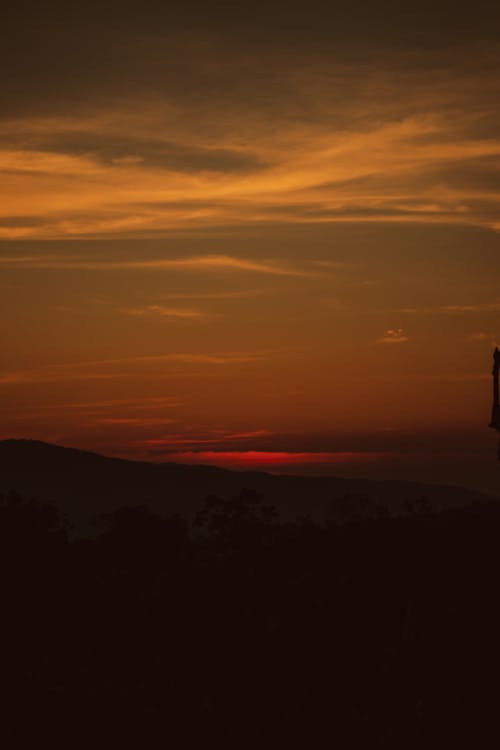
84 484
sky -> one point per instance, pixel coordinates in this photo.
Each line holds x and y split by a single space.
263 236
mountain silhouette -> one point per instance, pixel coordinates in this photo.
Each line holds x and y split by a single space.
84 485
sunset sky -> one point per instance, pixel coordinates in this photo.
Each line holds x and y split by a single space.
264 236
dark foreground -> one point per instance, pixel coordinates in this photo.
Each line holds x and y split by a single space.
242 633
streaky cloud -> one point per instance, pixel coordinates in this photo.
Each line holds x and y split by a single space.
221 263
99 369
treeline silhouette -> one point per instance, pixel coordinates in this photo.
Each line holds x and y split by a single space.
240 632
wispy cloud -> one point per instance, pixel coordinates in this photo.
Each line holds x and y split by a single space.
141 412
483 336
427 378
220 263
121 367
478 307
209 437
233 294
53 375
142 403
134 421
161 311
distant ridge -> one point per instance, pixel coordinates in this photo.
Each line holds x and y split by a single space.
83 485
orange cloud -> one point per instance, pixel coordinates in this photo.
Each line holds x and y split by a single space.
479 307
135 421
221 263
167 312
118 367
393 336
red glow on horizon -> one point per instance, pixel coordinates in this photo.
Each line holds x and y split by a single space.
274 460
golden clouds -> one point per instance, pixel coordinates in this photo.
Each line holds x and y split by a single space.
398 151
190 126
202 263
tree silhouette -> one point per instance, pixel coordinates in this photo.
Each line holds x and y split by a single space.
245 632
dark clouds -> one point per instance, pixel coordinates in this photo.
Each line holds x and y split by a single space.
21 221
150 152
61 54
